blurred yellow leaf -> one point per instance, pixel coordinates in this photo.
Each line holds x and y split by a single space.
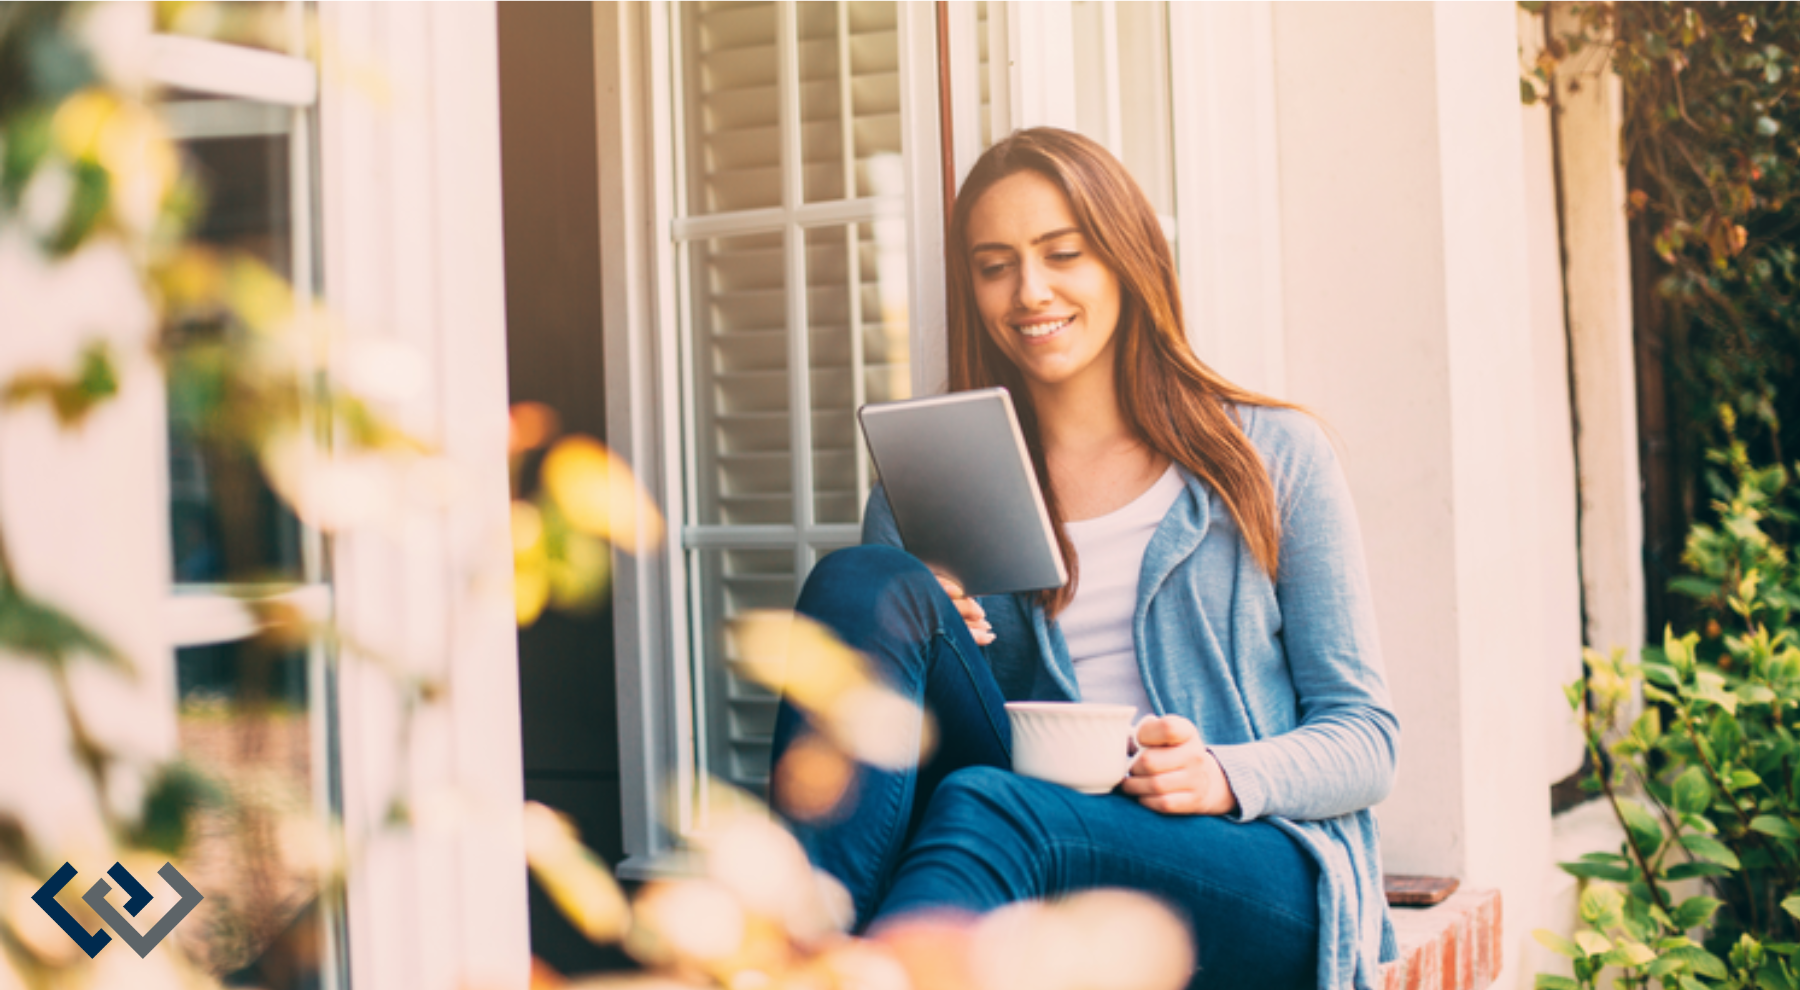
1094 940
691 924
812 778
576 879
807 664
80 122
600 495
531 425
262 299
192 278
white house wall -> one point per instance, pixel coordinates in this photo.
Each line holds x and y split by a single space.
1406 295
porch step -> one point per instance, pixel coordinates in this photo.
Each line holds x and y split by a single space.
1454 945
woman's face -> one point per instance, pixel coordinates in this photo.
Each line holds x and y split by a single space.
1046 299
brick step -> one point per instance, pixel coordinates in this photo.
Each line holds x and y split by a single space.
1454 945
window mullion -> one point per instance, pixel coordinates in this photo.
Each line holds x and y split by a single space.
853 256
793 167
672 358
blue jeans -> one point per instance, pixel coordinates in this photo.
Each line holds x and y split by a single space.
965 833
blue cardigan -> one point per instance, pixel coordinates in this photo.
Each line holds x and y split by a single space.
1283 678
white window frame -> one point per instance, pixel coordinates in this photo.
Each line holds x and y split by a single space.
657 728
266 93
1222 143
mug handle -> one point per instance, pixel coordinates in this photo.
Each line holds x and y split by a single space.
1131 739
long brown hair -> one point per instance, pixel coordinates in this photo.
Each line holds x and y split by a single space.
1172 402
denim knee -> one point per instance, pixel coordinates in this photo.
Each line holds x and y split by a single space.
987 801
882 590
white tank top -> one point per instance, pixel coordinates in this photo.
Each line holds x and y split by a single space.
1096 625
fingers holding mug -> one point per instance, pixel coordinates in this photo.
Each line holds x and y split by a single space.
1174 772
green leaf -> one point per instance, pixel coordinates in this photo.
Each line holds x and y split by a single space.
1711 850
1699 961
1661 673
73 397
1741 779
1695 587
1646 831
35 629
1688 871
1755 694
1691 792
1694 912
1598 871
1712 689
1601 906
1780 828
1634 954
1672 942
1556 943
1547 982
1791 904
1593 943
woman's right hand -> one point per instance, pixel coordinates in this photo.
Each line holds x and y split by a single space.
971 611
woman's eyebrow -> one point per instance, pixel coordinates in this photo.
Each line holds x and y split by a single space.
1039 239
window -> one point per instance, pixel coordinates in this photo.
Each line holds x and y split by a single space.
255 715
789 217
785 157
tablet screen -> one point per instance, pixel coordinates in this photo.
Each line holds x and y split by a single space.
958 477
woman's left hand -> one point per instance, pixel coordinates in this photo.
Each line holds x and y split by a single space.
1175 773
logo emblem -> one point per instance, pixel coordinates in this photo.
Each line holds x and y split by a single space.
135 899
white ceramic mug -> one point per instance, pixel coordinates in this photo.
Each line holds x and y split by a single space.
1086 746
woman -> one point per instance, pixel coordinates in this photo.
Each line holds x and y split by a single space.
1217 582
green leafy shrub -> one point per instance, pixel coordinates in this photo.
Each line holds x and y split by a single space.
1705 781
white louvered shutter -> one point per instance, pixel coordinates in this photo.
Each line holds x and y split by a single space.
794 299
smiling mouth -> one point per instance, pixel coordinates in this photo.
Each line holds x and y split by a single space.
1043 329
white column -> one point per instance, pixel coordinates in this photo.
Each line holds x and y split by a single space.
1600 338
1406 301
411 201
1558 539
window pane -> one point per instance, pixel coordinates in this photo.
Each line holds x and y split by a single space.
849 69
733 106
226 523
858 350
1122 89
244 724
739 716
742 432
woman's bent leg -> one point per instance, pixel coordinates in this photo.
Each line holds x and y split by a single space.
888 606
992 837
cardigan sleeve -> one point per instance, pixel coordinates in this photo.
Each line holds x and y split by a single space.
1341 755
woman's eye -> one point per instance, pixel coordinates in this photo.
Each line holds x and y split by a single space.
1065 255
991 270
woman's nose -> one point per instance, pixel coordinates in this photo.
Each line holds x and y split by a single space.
1034 285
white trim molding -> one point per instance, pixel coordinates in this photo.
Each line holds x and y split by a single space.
412 233
637 291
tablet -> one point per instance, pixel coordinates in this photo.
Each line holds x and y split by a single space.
959 480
